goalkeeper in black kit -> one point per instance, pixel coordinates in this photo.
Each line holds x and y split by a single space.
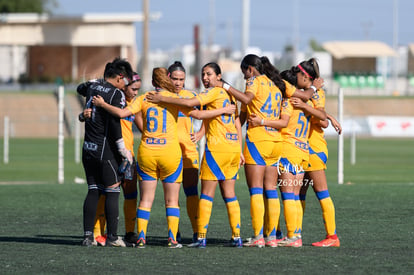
104 149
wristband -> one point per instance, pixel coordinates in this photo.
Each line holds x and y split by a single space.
262 122
313 88
226 86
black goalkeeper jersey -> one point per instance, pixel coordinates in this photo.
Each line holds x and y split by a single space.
102 129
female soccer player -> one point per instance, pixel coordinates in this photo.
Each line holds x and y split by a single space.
315 173
129 184
160 139
222 157
103 137
262 99
186 133
295 155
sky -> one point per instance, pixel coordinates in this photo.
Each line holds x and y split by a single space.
273 23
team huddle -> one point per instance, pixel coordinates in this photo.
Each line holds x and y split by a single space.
284 148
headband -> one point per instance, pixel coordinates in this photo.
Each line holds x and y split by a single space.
136 77
303 71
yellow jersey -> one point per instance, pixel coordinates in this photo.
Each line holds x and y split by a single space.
290 89
126 124
266 104
185 127
160 124
316 135
221 132
297 130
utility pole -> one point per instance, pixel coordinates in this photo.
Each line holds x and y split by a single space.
245 26
295 39
212 27
197 52
145 46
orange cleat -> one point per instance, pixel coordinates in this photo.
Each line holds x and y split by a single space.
332 240
101 240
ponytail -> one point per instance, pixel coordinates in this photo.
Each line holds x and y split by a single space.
273 74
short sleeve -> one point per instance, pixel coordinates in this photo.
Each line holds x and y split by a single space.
290 89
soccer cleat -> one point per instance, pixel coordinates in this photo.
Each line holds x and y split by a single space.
332 240
131 239
117 242
88 241
237 242
174 244
257 241
141 243
101 240
291 242
200 243
271 241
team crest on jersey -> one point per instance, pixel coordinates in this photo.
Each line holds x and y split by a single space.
250 81
315 95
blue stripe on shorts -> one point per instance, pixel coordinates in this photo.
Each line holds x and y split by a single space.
320 155
173 177
143 175
212 164
254 152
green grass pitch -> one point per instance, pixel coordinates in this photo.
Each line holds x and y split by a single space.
41 222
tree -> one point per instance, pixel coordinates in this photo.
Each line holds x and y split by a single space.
315 46
25 6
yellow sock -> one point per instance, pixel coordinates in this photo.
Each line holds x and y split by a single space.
257 210
290 212
272 213
173 219
100 220
233 212
299 216
130 214
328 211
192 209
205 207
143 215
